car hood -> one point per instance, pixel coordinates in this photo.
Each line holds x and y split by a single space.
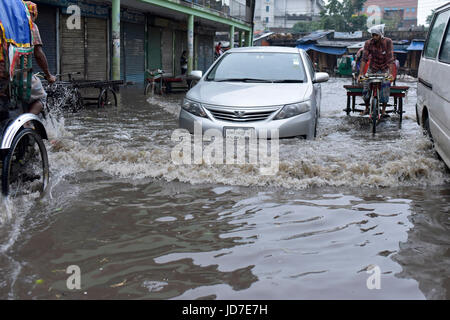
242 94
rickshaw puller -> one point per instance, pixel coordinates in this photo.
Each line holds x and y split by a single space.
380 51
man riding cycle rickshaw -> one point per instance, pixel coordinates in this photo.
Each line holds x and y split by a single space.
380 51
23 154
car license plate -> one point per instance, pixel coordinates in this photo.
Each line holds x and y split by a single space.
245 132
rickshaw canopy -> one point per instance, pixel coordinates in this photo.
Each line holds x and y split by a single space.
16 26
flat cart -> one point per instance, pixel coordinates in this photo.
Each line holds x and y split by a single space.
356 90
67 94
107 91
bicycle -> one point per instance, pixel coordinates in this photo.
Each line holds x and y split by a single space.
62 94
375 81
155 81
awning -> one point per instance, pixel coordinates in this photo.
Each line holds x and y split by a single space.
416 45
324 49
400 48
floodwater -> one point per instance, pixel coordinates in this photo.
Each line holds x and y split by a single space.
347 216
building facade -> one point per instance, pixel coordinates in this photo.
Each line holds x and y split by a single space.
285 13
397 14
121 39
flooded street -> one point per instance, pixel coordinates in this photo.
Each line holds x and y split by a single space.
141 227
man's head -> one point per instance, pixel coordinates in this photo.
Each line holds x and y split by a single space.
32 8
377 32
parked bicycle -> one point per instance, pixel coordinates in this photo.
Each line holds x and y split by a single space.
63 95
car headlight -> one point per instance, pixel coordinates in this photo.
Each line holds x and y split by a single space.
291 110
193 107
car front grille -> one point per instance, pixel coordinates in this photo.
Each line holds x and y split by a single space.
241 114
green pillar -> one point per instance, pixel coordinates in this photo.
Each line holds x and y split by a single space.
248 39
231 37
116 39
240 39
190 43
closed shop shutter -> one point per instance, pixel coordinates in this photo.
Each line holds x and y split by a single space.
167 50
97 52
205 52
46 23
180 45
72 48
134 53
155 49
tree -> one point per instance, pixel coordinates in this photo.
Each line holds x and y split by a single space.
343 16
307 26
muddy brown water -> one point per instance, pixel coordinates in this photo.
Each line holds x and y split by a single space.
139 226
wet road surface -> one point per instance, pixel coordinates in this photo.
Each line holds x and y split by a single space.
141 227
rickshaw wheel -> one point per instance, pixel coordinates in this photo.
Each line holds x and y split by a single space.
374 115
25 167
107 98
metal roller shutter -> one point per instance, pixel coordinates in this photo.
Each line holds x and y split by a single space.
46 23
134 53
97 52
167 50
180 45
205 52
72 48
155 49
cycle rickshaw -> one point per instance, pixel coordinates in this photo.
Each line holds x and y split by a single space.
374 115
23 154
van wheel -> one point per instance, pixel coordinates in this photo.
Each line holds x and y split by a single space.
315 127
426 127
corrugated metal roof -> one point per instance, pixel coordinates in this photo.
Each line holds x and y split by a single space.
416 45
314 36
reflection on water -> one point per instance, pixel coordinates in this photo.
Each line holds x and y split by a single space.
141 227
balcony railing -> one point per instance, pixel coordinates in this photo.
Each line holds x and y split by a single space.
232 8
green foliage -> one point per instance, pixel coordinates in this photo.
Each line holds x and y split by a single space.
307 26
343 16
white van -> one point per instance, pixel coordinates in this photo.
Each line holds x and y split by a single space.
433 88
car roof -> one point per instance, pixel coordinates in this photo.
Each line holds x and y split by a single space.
273 49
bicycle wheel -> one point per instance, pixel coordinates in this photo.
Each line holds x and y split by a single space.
76 101
107 98
25 166
148 89
374 115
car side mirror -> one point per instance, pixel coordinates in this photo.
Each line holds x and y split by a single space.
196 74
321 77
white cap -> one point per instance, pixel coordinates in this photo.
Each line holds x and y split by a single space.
378 29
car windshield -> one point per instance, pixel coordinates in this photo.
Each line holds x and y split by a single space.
259 67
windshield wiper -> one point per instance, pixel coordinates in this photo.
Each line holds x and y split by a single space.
288 81
244 80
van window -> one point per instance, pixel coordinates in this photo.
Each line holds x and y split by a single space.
444 56
435 35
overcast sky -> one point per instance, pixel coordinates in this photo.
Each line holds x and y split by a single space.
424 8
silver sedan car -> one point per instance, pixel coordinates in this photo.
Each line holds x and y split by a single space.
257 88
